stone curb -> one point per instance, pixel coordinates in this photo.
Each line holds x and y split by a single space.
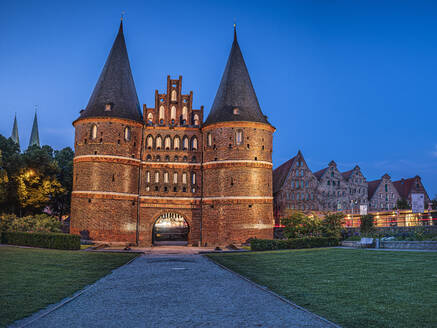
283 299
65 300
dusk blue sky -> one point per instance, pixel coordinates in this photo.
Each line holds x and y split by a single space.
352 81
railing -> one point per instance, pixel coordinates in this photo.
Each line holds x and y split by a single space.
402 218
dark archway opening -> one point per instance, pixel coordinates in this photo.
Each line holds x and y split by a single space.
170 229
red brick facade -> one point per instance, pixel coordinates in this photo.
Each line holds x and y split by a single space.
127 174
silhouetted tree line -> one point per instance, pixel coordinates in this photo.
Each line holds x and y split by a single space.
35 180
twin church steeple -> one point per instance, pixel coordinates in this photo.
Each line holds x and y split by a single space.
34 135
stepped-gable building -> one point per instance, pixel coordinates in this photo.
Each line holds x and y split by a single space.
357 188
382 194
406 187
294 188
164 173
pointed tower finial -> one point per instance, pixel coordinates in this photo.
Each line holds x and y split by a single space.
235 31
34 136
14 135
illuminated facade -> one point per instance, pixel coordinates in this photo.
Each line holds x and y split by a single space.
138 172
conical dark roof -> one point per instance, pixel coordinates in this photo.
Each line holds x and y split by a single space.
235 91
14 136
34 135
115 86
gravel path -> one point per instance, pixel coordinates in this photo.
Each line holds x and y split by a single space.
176 291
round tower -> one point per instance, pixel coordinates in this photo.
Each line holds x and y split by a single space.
108 137
237 201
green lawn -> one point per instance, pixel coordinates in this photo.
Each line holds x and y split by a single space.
31 279
353 288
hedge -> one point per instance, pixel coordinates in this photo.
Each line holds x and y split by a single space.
293 243
40 239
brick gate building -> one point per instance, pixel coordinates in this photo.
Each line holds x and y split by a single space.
133 168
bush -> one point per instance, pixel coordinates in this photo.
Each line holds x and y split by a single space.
367 225
294 243
37 223
43 240
299 225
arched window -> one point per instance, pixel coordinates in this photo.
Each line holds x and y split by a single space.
209 139
184 178
161 115
150 118
94 132
239 137
148 177
156 177
193 178
167 143
165 177
194 143
184 114
196 119
176 143
185 143
175 178
149 157
149 143
127 133
158 142
173 113
176 158
173 95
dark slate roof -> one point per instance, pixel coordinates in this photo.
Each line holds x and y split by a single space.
115 86
34 136
319 174
235 91
280 174
371 187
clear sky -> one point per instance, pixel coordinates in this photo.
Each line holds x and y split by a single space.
352 81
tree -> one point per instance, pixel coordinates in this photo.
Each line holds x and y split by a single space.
299 225
11 163
61 203
367 224
332 225
402 204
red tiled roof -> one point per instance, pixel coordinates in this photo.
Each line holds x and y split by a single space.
371 187
347 174
281 173
319 174
404 186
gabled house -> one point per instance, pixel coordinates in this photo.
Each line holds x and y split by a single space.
357 188
382 194
406 187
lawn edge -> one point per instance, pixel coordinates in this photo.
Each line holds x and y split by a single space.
68 299
266 289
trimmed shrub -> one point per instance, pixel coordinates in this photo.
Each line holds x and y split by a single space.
294 243
36 223
43 240
299 225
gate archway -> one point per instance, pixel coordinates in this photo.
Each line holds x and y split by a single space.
170 228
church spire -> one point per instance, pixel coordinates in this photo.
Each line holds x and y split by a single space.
114 94
34 136
14 135
235 99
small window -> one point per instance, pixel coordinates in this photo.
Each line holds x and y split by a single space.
156 177
194 143
149 142
127 133
175 178
173 113
184 114
94 131
176 143
158 142
236 111
148 177
209 139
150 118
149 157
108 107
165 177
184 178
196 119
239 137
185 143
193 178
167 143
173 95
161 114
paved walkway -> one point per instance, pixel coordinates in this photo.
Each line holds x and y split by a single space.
175 290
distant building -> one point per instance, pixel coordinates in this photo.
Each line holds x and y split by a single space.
357 188
382 194
34 135
406 187
14 135
294 187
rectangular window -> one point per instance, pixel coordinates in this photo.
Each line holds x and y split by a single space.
175 178
166 177
156 177
184 178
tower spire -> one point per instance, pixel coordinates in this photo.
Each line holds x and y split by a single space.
236 99
114 94
34 136
14 135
